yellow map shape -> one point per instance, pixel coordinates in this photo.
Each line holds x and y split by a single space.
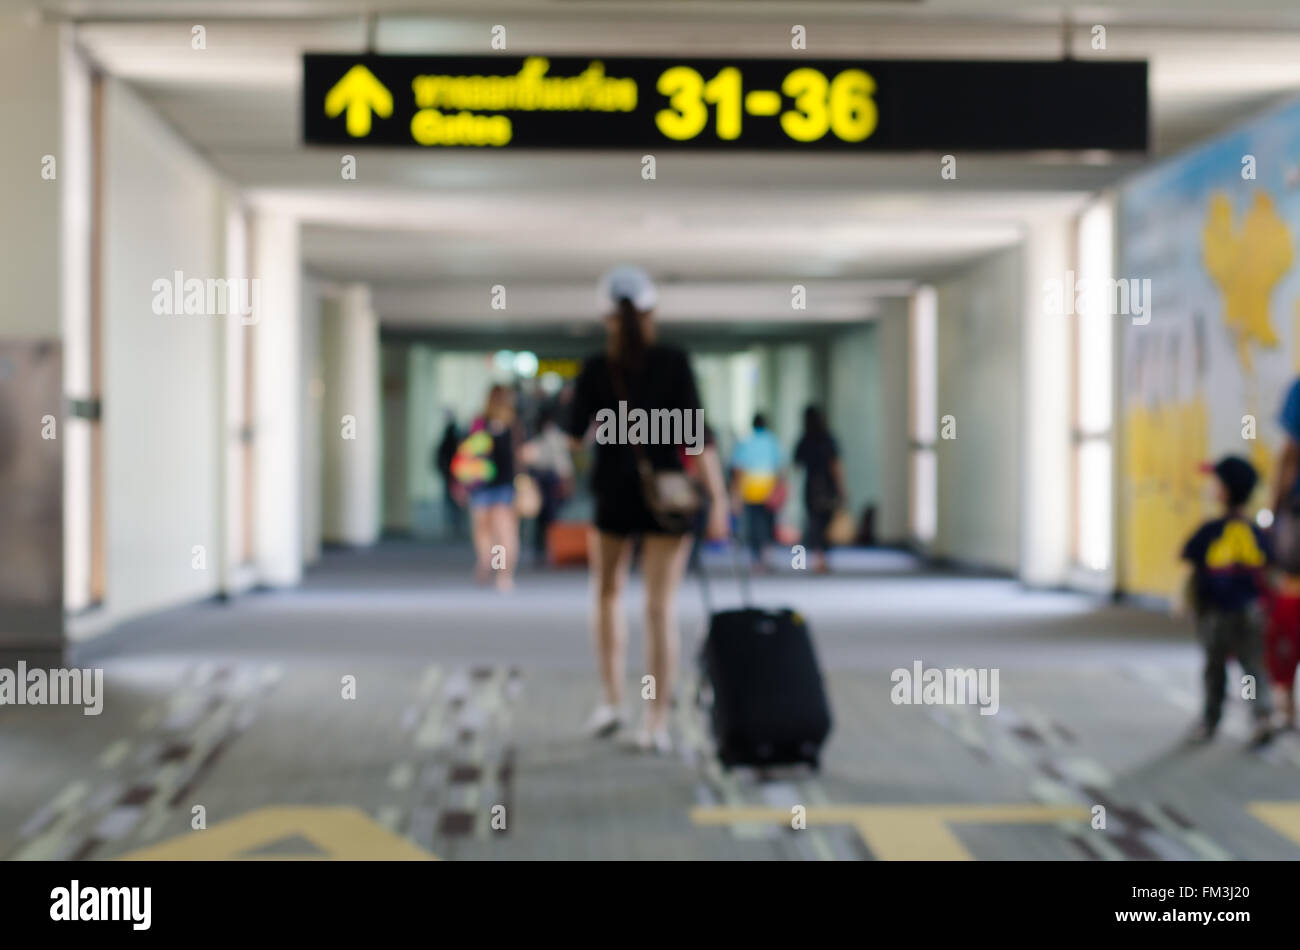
1166 491
1246 265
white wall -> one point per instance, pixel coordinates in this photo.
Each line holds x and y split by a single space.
854 412
793 389
979 381
437 381
731 387
163 212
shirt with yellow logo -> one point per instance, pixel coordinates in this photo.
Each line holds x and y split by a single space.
1229 555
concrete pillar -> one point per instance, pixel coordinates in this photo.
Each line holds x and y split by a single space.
30 113
793 386
425 418
32 163
353 433
397 490
1045 446
313 420
277 401
893 503
233 449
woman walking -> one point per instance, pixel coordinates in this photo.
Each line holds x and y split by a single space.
823 486
492 501
632 494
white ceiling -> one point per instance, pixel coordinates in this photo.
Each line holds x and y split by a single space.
488 236
415 220
570 305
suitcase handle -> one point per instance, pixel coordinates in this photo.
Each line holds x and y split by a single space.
741 573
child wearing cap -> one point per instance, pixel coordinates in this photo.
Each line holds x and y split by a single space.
1228 558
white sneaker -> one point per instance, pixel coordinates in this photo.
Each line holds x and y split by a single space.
604 721
654 740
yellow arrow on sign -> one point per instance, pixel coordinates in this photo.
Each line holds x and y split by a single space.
289 834
360 93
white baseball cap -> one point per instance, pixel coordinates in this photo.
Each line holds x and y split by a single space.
628 282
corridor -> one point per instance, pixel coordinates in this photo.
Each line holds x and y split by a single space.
466 701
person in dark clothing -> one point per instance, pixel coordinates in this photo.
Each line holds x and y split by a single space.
637 379
1228 557
446 451
823 487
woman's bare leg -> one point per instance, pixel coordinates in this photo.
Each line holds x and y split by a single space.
505 532
610 554
481 531
663 561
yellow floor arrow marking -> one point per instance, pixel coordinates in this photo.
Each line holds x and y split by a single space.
335 833
901 832
1282 817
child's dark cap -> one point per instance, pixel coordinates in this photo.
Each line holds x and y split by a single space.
1237 476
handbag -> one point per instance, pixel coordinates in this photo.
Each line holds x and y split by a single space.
671 496
528 496
840 530
780 492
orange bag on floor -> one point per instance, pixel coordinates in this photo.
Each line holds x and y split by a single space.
566 542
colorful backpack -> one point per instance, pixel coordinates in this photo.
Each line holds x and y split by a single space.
472 465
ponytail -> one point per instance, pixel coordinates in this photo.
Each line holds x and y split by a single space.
631 338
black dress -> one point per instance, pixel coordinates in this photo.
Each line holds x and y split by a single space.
663 381
817 454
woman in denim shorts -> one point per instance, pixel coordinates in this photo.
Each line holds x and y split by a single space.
492 502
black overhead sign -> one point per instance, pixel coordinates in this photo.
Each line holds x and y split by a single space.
797 104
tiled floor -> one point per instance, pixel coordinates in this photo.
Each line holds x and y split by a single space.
463 738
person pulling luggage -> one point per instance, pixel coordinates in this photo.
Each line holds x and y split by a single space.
641 491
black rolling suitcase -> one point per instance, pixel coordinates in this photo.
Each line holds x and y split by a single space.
761 684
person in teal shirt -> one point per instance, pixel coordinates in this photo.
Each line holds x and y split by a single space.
756 465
